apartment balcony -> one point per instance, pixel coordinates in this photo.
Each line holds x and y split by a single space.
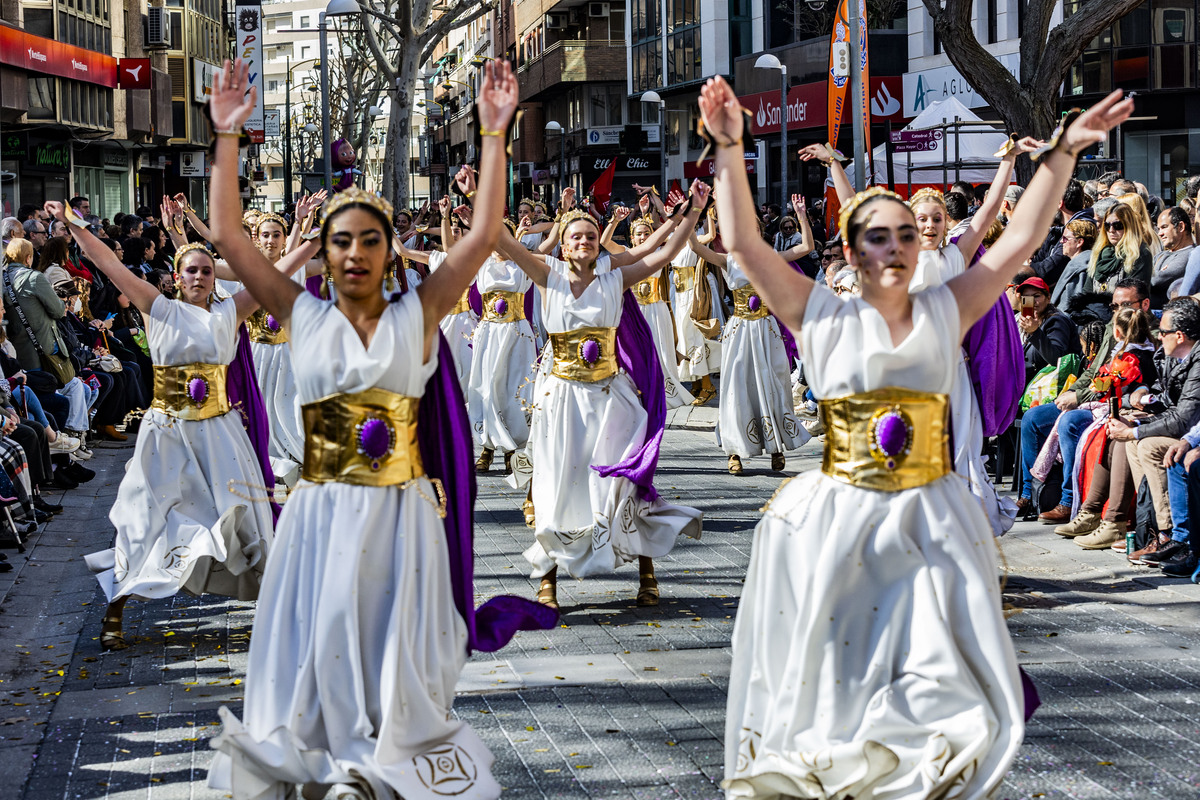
572 61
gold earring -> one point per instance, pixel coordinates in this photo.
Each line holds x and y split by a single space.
326 281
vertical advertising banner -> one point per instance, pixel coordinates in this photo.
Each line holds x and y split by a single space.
838 86
249 48
862 103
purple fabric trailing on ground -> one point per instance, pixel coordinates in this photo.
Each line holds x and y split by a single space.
448 452
242 387
1032 700
996 362
637 355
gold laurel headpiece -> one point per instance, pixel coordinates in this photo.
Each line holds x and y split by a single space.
189 248
353 196
927 195
529 201
860 198
248 213
512 226
644 221
270 216
574 215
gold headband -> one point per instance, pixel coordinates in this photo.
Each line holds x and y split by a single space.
927 195
270 216
248 213
860 198
641 222
574 215
356 196
526 201
190 247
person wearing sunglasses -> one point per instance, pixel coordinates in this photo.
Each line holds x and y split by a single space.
1119 250
1078 238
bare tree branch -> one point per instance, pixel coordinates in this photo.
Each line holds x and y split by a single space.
452 19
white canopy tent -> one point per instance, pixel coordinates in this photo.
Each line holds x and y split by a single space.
977 144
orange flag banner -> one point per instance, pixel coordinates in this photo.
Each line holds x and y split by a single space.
838 87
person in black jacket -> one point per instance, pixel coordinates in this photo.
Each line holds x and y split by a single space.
1170 407
1047 334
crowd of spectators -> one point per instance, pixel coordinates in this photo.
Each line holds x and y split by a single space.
73 353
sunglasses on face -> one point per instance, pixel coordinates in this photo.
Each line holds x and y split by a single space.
1114 226
1167 331
1119 306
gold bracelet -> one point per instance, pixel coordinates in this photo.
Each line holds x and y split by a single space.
470 194
234 134
486 132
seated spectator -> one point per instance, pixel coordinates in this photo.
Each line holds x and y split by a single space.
1065 412
1047 334
1077 241
1169 410
1112 478
1175 233
1120 250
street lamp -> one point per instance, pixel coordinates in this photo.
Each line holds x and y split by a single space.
554 127
652 97
768 61
856 90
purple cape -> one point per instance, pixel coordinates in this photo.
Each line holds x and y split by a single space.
242 388
637 355
996 362
448 453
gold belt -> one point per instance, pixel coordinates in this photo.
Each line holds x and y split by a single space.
191 391
585 354
503 306
464 304
648 291
685 278
888 439
264 329
365 438
747 304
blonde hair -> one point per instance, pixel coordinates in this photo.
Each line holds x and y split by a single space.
993 233
1145 225
18 251
1129 248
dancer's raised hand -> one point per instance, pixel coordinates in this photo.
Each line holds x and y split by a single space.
1093 125
231 104
721 111
464 179
498 96
700 191
620 213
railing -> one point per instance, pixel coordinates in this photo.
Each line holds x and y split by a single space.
571 44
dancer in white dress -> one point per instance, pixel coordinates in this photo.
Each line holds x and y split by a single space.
357 641
870 654
588 517
652 294
755 411
700 356
179 526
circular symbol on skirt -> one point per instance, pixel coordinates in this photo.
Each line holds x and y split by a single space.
446 770
197 390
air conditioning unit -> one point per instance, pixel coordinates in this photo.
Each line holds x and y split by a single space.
158 28
525 170
556 22
597 9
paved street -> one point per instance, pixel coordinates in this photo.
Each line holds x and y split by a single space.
618 701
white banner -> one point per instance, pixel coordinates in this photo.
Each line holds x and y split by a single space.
248 30
202 79
930 85
191 164
271 123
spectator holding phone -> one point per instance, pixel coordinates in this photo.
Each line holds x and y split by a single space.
1046 333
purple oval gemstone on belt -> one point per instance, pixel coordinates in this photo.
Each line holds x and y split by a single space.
891 434
375 438
754 304
500 306
197 389
590 351
272 323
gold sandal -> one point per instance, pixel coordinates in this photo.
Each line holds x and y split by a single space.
735 465
112 638
530 516
648 590
484 462
548 592
778 462
704 396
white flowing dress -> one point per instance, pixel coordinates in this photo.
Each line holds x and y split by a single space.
276 382
502 366
357 643
658 317
587 524
934 268
459 330
179 526
701 356
755 414
870 654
